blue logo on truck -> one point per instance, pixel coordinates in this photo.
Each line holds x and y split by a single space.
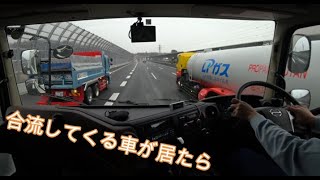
216 68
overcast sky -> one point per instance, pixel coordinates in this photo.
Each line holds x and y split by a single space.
181 34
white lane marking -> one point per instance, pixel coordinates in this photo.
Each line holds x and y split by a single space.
153 76
108 103
123 83
114 97
160 68
128 77
130 72
134 67
174 74
119 68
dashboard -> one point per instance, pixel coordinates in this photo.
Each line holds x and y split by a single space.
158 123
185 125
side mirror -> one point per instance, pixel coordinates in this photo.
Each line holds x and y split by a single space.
30 61
303 96
62 52
300 54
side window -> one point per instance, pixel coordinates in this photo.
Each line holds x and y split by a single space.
303 65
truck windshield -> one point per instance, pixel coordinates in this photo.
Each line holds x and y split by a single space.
191 59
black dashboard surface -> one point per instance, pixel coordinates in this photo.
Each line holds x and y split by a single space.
156 123
136 114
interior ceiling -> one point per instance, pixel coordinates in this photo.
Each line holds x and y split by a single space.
42 13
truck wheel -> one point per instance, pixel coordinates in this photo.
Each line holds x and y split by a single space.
88 96
95 90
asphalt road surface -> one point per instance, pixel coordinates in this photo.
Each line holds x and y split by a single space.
142 83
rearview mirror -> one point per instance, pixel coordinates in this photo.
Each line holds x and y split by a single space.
303 96
30 61
300 54
62 52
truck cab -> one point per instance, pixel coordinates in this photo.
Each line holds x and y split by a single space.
181 64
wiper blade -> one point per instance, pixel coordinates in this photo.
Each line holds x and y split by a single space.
63 98
133 103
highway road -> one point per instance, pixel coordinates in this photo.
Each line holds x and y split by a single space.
142 83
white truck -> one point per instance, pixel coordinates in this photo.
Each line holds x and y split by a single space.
222 72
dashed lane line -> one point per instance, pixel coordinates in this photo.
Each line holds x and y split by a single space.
153 76
123 84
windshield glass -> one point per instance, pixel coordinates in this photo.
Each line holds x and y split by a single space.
191 59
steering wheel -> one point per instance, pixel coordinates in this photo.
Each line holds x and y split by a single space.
278 115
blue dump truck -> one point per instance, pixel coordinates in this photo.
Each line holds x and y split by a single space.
81 77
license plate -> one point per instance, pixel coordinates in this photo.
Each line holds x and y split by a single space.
59 93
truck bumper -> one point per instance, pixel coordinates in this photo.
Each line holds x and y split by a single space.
44 101
219 91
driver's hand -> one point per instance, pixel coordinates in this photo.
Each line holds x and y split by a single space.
242 110
302 115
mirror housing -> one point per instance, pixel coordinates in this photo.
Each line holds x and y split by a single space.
30 61
62 52
303 96
300 54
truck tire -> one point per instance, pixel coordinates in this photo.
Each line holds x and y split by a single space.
95 89
88 97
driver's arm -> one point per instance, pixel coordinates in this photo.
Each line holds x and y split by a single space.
294 155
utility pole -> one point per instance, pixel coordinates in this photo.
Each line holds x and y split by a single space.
159 48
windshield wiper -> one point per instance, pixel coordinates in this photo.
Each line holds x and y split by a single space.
133 103
63 98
